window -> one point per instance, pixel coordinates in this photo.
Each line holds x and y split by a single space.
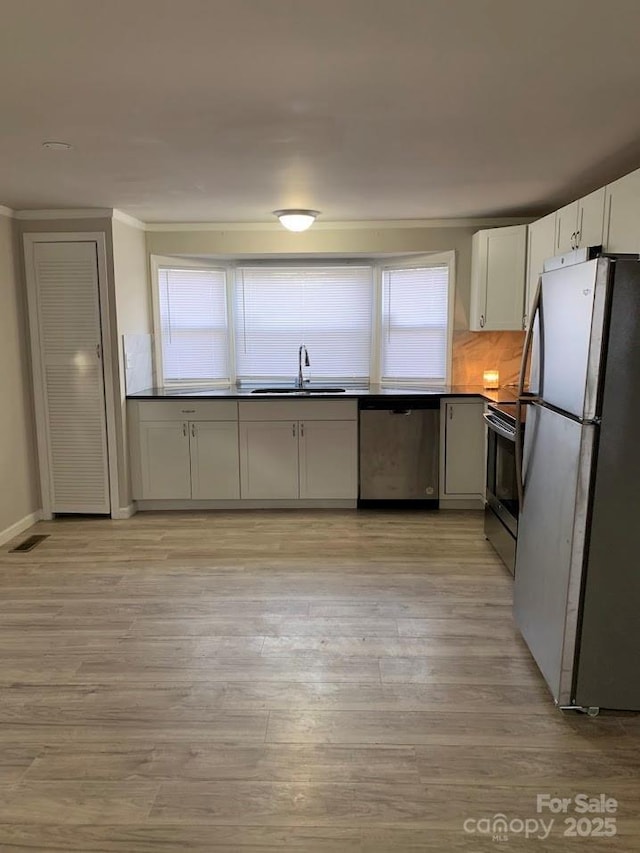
361 321
327 308
193 325
414 329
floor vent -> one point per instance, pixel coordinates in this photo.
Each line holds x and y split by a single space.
30 543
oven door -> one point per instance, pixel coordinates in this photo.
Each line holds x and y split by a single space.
502 486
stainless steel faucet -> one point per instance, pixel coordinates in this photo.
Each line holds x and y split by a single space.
307 363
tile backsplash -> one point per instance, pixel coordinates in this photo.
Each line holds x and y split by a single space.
475 352
138 362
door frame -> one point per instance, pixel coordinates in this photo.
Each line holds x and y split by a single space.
42 428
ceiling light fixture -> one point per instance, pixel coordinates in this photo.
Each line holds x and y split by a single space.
57 146
296 220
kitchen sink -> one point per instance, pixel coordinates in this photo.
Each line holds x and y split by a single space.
319 389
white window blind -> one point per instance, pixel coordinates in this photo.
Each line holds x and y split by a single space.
193 321
414 324
327 308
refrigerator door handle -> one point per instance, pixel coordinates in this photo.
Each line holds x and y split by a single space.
526 351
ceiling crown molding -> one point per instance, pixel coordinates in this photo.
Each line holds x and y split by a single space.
350 225
121 216
64 213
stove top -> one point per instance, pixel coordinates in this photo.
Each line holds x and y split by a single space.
507 411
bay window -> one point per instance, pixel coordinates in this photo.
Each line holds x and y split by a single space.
363 322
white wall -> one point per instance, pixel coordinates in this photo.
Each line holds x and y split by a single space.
369 240
19 490
133 316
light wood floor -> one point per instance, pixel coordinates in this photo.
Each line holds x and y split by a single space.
282 681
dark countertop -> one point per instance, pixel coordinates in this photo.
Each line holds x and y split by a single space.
501 395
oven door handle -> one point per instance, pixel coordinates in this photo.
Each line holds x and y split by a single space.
494 424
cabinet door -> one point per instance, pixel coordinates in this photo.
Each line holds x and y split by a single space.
542 236
215 464
622 214
498 278
164 460
464 463
269 459
591 219
566 228
329 459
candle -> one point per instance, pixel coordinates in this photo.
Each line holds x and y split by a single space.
491 379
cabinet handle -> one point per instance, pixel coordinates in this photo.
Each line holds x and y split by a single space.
293 430
482 321
579 231
193 430
98 351
301 430
184 430
188 411
524 322
450 413
573 240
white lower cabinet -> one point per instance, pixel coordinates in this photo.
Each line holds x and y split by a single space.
165 466
462 451
328 453
252 451
184 450
214 460
311 460
187 459
269 460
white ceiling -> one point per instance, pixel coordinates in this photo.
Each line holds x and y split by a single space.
223 110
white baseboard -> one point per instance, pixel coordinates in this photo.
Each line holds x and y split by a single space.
462 503
246 504
20 526
125 511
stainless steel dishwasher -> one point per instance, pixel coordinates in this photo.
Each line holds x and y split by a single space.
399 453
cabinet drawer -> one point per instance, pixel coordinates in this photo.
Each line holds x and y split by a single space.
298 410
187 410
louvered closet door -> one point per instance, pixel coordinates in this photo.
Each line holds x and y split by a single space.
66 277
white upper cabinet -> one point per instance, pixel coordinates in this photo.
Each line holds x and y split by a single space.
498 278
566 227
542 245
591 219
580 223
622 214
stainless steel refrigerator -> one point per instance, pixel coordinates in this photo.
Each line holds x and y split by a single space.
577 574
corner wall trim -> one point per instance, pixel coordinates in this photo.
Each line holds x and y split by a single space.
125 511
121 216
19 527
